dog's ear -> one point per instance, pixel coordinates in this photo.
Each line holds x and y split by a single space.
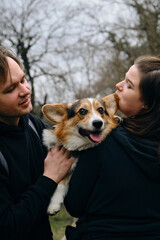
110 103
55 112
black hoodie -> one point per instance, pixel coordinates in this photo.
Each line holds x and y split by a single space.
24 193
115 190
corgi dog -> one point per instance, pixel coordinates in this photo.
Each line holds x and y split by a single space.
83 125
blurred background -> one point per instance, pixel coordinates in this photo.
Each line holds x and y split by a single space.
72 49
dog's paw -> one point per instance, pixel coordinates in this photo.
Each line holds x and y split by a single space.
53 210
52 213
57 199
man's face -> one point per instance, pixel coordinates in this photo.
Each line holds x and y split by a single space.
14 95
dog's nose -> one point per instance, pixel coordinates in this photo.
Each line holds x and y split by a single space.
97 124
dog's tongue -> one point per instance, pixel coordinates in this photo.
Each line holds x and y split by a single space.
95 137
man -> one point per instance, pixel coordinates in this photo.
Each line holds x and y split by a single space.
33 174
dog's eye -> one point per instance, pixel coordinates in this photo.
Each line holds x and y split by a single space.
83 111
100 110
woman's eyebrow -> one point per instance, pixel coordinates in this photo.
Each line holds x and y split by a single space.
126 77
130 82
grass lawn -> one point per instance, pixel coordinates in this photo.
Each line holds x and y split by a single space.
59 223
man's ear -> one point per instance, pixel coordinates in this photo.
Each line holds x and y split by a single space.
55 112
110 103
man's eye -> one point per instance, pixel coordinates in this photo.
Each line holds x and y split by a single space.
100 110
23 80
82 111
10 90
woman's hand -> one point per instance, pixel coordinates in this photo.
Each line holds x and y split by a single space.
57 163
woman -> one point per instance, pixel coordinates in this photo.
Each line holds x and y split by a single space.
115 189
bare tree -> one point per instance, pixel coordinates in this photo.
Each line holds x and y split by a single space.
30 30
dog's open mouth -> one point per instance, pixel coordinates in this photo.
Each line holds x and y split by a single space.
94 136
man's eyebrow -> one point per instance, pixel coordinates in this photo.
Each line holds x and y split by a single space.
12 84
9 86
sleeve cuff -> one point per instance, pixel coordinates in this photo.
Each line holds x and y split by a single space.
46 185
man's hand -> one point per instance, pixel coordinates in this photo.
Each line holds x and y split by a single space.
57 163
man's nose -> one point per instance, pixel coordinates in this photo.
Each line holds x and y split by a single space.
24 89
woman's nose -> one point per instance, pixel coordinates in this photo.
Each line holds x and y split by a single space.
119 85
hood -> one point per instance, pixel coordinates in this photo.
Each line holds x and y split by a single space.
140 150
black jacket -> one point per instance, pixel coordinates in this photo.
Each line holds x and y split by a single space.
24 193
115 190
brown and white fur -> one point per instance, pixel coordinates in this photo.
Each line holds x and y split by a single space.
83 125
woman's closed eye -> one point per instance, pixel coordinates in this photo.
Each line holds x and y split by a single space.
128 85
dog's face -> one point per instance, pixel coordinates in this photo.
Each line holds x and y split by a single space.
84 124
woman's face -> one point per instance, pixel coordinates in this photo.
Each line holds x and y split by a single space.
130 102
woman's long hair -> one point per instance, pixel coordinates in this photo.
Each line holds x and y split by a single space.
147 122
